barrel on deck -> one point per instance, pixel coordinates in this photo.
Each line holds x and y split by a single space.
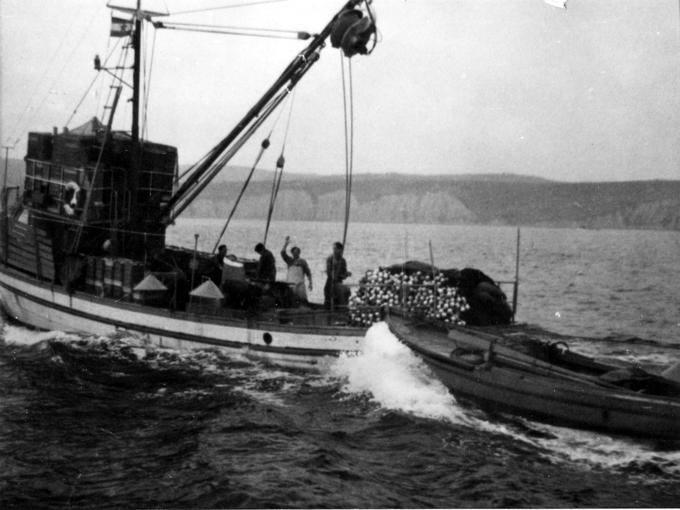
99 277
108 276
133 273
90 273
117 278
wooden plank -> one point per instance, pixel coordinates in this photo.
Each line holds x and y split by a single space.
21 252
21 263
27 252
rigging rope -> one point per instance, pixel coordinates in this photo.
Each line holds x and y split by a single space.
252 32
348 105
67 61
264 146
229 6
147 87
278 173
75 110
88 198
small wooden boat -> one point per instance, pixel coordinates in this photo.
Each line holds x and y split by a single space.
544 382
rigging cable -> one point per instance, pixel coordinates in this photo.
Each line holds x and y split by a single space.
88 199
147 87
216 166
271 33
82 99
67 61
263 146
348 105
120 69
38 82
229 6
278 172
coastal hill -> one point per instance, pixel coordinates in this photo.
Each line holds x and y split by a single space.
500 199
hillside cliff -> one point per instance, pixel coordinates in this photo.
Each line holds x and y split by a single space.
463 199
409 199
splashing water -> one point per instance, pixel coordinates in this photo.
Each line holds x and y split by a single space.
397 379
586 448
16 335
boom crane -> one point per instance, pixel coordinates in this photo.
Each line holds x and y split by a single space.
354 35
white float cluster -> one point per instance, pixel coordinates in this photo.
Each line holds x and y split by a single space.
418 293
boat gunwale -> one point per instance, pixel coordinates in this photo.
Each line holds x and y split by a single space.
248 323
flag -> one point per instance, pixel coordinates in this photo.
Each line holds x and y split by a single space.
562 4
120 27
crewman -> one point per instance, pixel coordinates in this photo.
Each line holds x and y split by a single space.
334 292
218 264
297 270
266 267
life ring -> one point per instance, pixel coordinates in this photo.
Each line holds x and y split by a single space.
71 196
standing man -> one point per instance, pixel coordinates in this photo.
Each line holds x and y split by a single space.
218 264
297 270
334 292
266 267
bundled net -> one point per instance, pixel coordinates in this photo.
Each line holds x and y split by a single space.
419 294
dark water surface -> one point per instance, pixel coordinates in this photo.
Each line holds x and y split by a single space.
90 422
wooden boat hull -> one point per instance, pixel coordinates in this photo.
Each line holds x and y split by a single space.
48 307
542 398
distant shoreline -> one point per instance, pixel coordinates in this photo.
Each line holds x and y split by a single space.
484 199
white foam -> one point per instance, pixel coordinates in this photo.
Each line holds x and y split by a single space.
391 375
17 335
589 449
395 378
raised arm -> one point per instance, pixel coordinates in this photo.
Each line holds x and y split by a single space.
284 255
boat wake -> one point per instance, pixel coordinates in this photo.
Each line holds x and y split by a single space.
612 453
16 335
128 360
387 373
392 376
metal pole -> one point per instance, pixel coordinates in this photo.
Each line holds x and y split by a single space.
194 263
5 214
434 283
515 288
4 177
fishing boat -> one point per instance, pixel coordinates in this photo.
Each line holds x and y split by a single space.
83 244
544 381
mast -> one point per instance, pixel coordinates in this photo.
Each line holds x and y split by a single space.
127 240
137 48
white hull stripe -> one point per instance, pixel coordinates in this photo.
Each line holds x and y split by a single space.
292 351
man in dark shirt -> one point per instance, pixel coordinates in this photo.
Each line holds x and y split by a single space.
334 292
217 264
266 267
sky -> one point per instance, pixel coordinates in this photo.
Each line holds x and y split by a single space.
590 93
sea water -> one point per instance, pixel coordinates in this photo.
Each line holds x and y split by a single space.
91 422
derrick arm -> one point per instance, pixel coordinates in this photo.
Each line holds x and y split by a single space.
212 163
